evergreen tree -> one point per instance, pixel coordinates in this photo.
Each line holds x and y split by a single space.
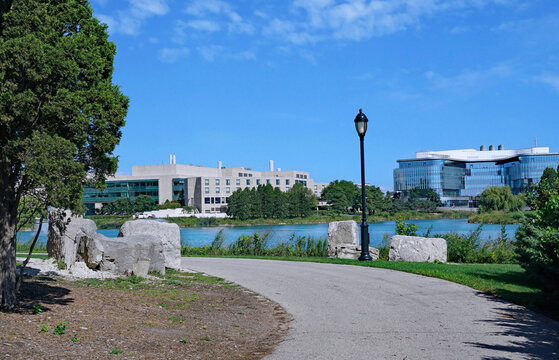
60 113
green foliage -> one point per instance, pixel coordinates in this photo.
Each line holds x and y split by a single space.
267 202
502 217
342 195
538 241
116 351
60 113
143 203
470 248
30 207
60 328
184 340
60 265
257 245
37 308
408 229
169 205
496 198
75 339
384 247
44 329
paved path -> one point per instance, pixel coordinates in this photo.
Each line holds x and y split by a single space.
351 312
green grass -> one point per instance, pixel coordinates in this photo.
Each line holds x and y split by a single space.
33 256
506 281
109 221
501 217
322 219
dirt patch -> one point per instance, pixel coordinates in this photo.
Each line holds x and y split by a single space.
181 315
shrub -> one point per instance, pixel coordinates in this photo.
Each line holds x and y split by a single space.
408 229
538 241
463 248
169 205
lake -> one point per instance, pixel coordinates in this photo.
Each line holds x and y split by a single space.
279 233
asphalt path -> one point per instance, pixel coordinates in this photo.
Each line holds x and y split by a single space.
353 312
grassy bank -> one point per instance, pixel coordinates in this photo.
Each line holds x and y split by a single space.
320 219
501 217
109 221
506 281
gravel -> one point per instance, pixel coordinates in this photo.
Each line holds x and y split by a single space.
78 271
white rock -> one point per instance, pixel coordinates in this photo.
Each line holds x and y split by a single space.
167 234
418 249
65 230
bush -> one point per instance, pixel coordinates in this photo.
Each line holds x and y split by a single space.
470 248
538 241
169 205
408 229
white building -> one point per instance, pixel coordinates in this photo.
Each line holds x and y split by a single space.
203 187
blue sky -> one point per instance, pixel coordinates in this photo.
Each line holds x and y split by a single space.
247 81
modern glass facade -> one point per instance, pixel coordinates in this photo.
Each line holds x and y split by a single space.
118 189
455 178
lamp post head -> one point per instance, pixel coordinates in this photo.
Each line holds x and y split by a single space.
361 123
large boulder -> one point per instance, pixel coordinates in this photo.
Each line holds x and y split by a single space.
65 230
129 255
343 241
167 234
418 249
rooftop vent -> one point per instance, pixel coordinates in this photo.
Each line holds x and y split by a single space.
482 148
491 147
501 147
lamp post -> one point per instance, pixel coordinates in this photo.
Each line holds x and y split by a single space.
361 127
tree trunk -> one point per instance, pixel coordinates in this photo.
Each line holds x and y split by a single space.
8 222
22 267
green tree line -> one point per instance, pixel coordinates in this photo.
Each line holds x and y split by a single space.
345 197
265 201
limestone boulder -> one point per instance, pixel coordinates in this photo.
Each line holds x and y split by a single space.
352 252
65 231
132 255
90 250
417 249
167 234
343 237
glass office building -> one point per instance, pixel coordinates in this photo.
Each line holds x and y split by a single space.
118 189
460 176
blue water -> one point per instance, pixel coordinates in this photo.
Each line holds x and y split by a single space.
280 233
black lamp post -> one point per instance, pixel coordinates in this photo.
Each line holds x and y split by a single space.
361 127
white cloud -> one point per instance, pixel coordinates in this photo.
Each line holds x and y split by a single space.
130 20
548 79
219 11
203 25
213 52
171 55
362 19
469 80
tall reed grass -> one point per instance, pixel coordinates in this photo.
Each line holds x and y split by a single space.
257 244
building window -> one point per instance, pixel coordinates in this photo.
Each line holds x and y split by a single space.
238 182
277 181
268 181
257 181
206 200
207 190
286 181
286 188
217 182
217 190
227 181
315 187
218 200
228 190
207 182
249 175
248 181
